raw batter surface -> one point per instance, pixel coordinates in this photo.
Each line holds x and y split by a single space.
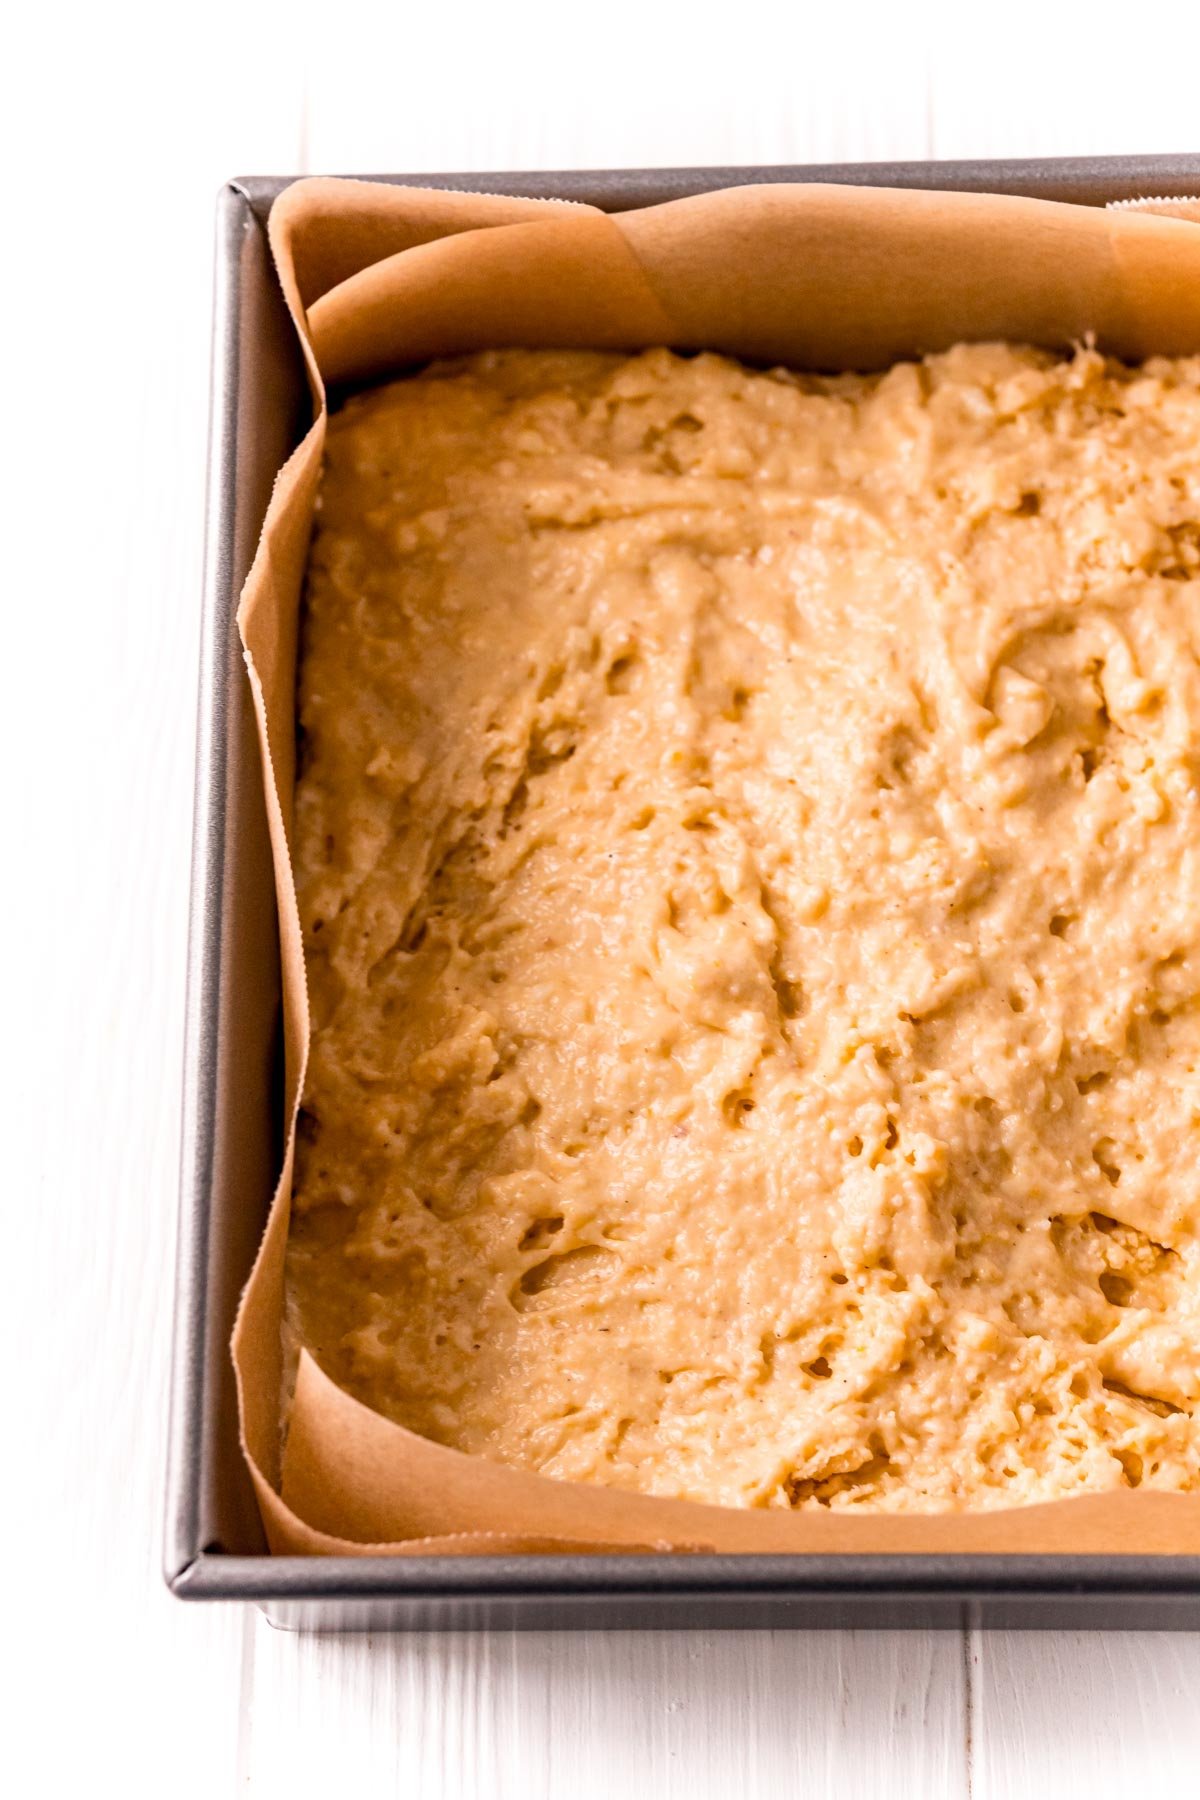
749 854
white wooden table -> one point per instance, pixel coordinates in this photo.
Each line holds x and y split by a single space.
119 124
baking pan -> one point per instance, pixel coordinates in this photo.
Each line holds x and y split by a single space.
232 1100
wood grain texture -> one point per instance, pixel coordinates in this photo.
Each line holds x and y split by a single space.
732 1716
118 129
118 126
1079 1715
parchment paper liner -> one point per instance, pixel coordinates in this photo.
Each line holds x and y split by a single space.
378 278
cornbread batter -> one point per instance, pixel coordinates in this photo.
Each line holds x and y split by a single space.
749 854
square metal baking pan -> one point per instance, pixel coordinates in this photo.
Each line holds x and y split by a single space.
232 1104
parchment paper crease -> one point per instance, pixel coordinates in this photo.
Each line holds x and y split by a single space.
379 278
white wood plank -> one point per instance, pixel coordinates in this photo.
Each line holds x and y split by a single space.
1038 80
532 86
528 86
119 126
1084 1716
680 1716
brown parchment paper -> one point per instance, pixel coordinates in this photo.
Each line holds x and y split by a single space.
379 278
